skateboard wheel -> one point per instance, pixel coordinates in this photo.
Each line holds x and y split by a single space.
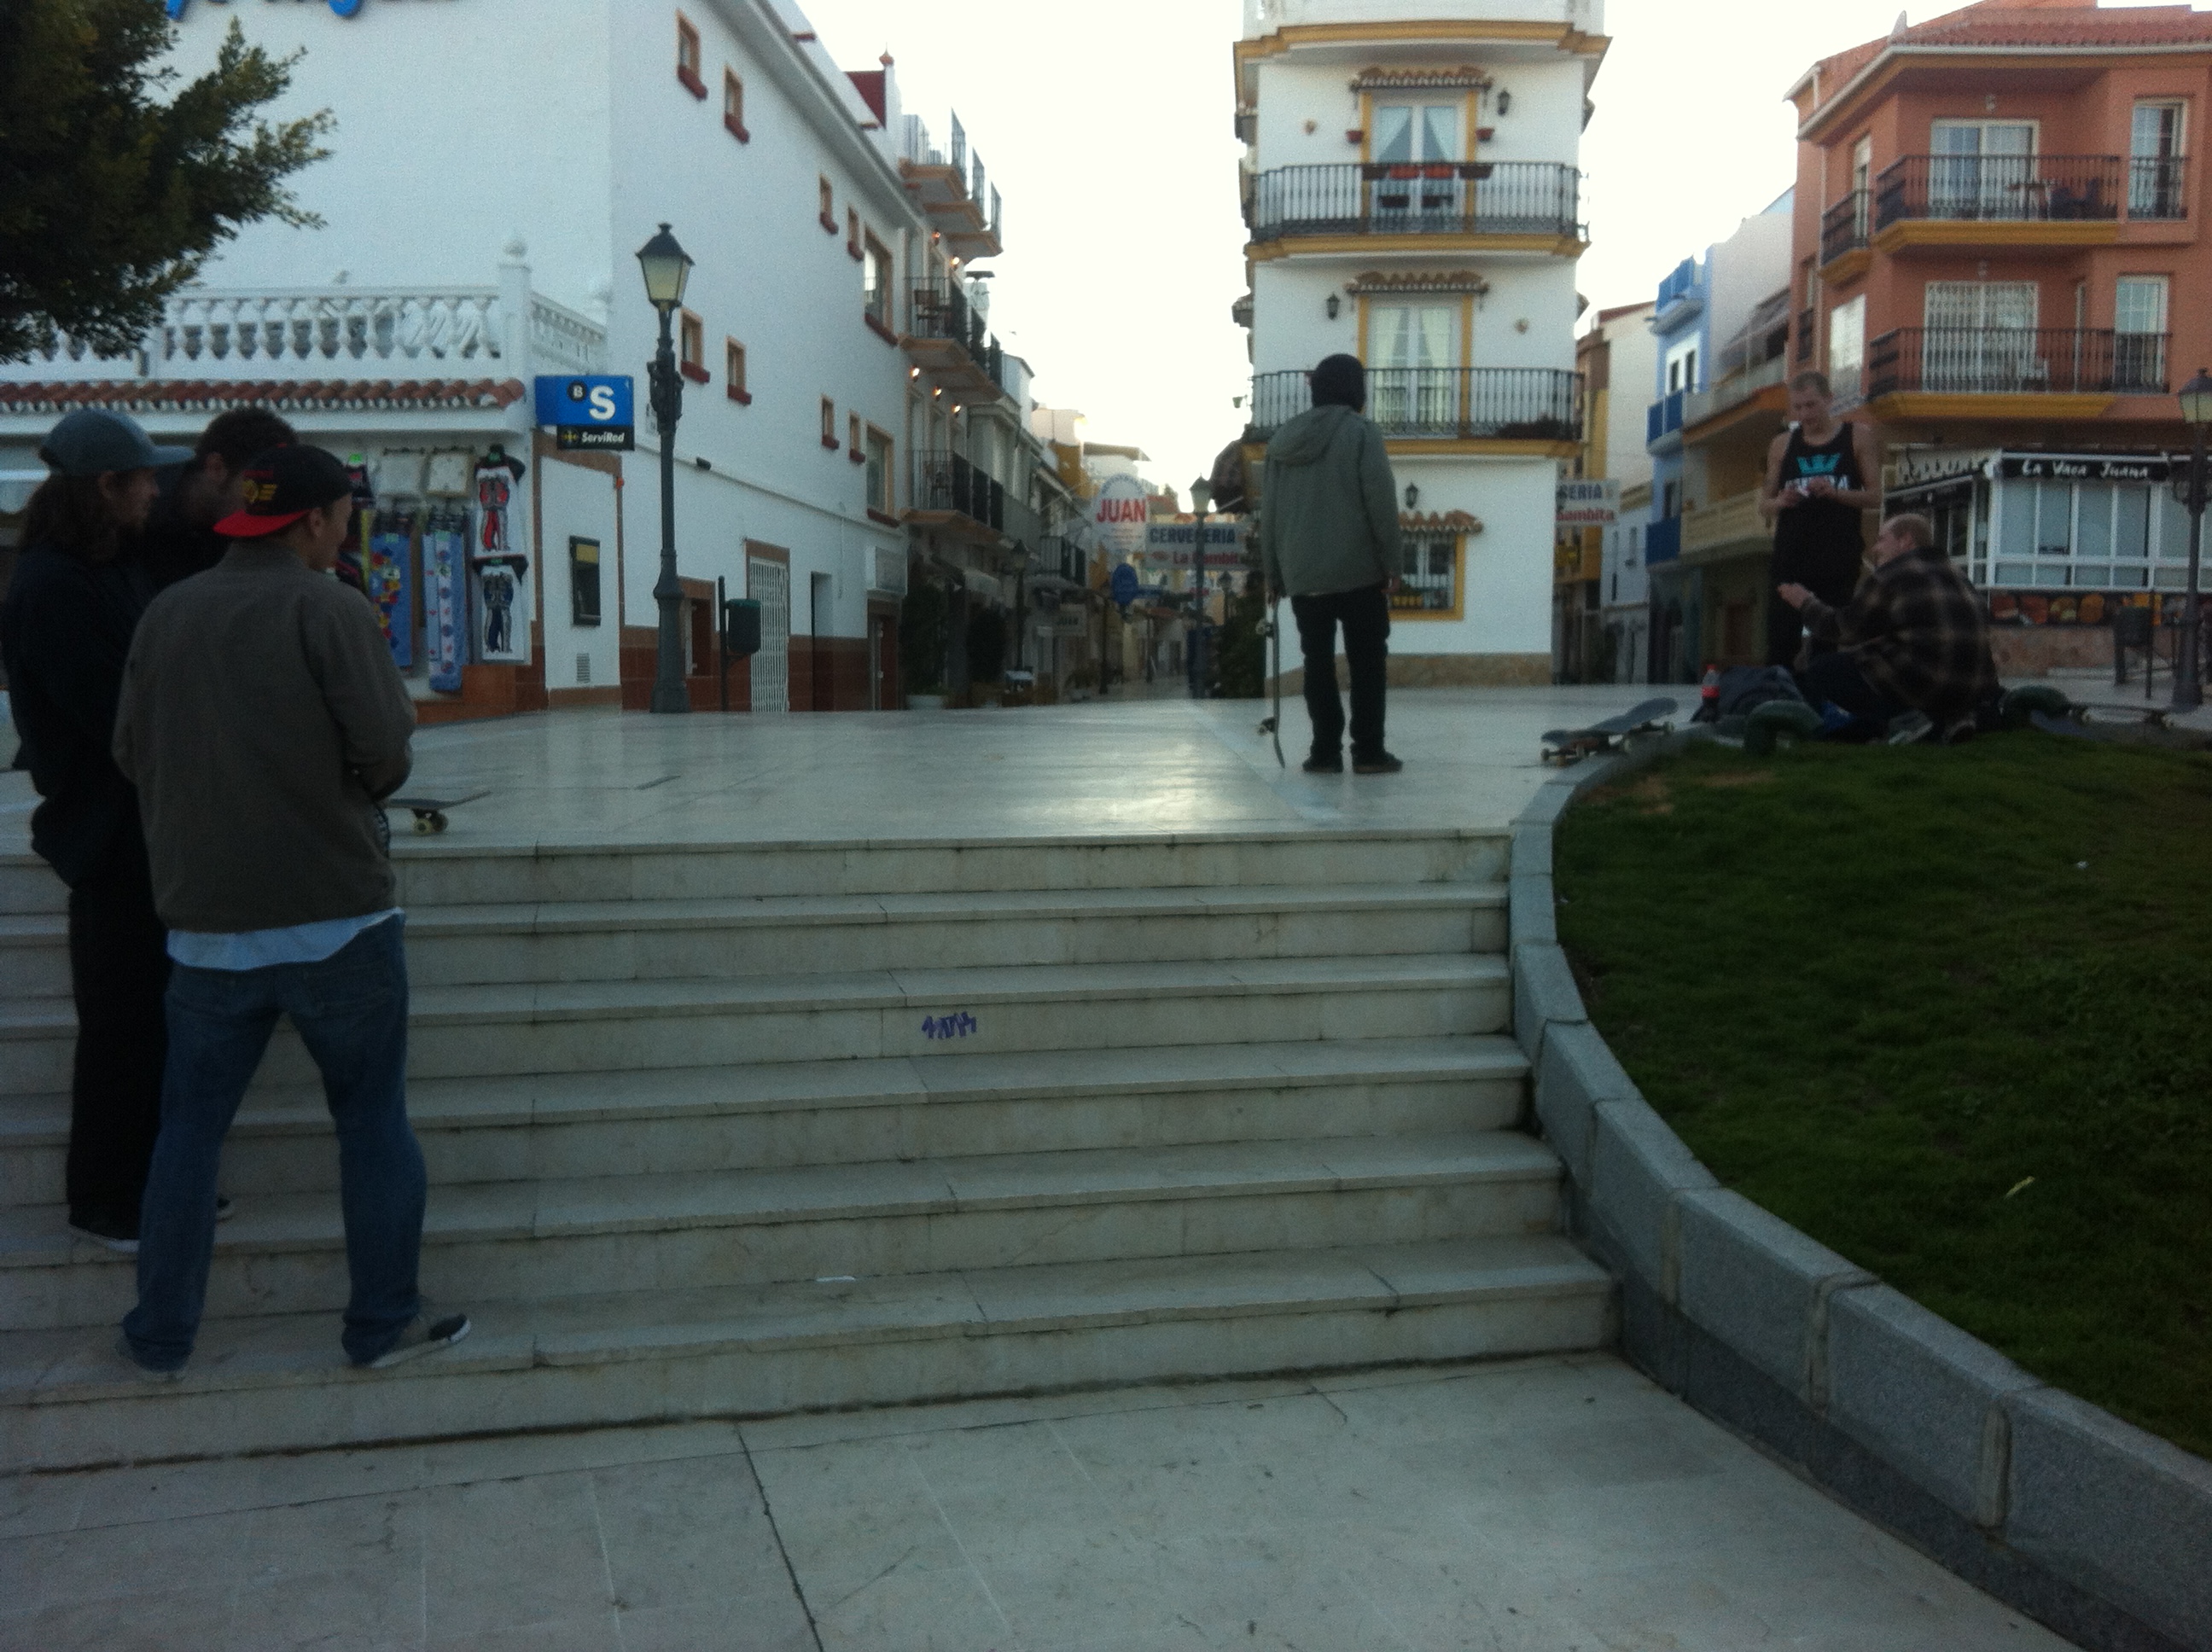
438 822
422 823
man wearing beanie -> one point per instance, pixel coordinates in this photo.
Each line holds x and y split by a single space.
263 722
1328 537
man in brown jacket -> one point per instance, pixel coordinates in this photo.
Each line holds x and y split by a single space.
262 722
1913 638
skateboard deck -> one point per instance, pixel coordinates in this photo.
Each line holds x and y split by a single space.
2105 711
430 812
1567 745
1273 625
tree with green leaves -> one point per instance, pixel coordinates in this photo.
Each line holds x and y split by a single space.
111 199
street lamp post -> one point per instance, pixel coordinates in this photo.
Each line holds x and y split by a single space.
667 267
1201 491
2197 412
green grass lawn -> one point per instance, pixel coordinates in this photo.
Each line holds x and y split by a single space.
1949 1011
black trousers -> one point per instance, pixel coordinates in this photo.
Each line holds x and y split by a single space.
1835 678
1364 615
1831 573
119 971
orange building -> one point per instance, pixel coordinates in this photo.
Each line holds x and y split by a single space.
2000 257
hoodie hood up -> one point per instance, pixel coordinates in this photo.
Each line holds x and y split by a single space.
1308 437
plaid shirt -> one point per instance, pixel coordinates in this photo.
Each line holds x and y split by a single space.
1917 629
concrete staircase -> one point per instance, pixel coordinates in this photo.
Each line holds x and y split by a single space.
736 1130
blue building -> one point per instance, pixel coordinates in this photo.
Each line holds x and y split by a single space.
1706 310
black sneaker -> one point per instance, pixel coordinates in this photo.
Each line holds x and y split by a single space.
1381 764
423 1335
1318 764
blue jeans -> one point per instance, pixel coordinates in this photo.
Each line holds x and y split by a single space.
351 1013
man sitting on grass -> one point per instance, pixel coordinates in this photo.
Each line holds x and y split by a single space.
1913 638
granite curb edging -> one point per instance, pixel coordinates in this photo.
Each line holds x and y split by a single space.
2096 1528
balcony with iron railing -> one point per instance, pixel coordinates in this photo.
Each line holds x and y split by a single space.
953 189
947 338
1462 403
1998 188
1844 227
1663 419
1441 199
950 492
2016 362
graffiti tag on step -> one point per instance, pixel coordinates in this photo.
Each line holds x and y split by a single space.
948 1026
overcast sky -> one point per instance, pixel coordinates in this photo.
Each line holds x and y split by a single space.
1109 131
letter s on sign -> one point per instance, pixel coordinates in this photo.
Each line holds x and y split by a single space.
603 403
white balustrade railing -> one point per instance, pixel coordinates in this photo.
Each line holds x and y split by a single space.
322 332
560 337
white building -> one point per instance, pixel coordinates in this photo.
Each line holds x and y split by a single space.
848 423
1414 195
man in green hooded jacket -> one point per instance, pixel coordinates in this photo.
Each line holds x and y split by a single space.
1328 538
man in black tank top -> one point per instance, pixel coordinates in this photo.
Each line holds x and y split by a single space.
1820 475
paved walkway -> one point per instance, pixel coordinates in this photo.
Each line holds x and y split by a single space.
1546 1504
1111 766
1560 1505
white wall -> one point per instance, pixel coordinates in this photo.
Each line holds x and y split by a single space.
459 123
1508 603
586 504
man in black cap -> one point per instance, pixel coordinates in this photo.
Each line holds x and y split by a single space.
1328 537
64 631
263 722
181 539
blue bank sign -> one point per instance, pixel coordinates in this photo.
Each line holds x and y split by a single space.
593 412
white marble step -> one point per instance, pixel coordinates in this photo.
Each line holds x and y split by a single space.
446 872
273 1383
761 1116
603 1026
797 935
554 1238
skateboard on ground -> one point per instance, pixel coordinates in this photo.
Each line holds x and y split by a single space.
1272 627
1567 745
430 812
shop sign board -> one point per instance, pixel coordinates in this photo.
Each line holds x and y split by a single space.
1169 544
2066 467
1589 503
1119 514
595 412
1125 585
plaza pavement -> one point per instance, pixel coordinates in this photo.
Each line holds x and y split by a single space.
1549 1505
1553 1504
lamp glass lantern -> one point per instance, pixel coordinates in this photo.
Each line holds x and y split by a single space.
1413 496
2196 399
667 268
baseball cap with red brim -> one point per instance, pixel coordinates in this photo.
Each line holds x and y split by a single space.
281 486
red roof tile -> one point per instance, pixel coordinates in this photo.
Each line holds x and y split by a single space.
2056 23
334 394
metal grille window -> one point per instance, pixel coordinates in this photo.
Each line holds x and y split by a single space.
1428 578
769 583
